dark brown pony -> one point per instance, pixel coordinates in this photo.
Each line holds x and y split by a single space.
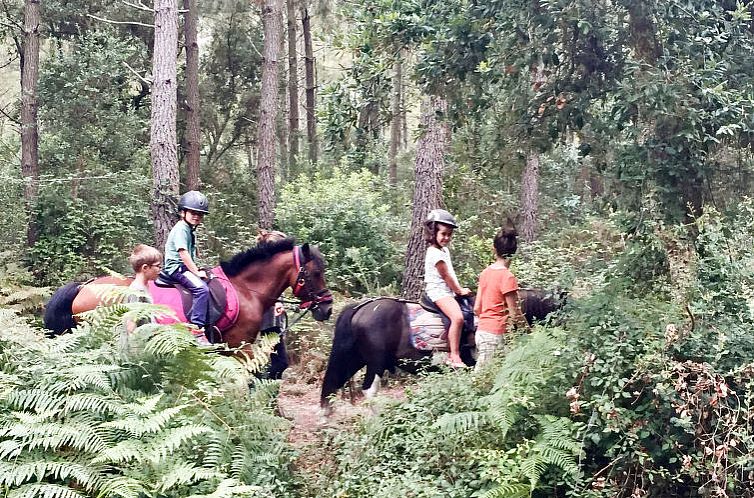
375 334
258 275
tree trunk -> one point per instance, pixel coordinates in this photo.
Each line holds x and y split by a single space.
162 140
395 124
193 132
29 129
281 118
267 114
293 118
530 197
430 162
311 124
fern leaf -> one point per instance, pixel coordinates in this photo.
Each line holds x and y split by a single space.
231 487
44 491
150 425
170 440
182 473
514 490
460 423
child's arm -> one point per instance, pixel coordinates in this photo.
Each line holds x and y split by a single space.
514 310
189 263
442 269
478 301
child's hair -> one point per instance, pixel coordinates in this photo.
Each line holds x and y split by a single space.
505 240
269 236
430 232
144 255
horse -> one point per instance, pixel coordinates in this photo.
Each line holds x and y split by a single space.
253 280
376 333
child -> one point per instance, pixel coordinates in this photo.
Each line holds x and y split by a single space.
146 262
441 284
497 304
180 256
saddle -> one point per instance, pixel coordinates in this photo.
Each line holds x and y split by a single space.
429 325
218 299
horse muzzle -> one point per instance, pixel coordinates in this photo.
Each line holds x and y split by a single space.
321 307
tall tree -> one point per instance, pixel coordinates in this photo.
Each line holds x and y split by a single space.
293 119
395 122
29 128
193 132
311 123
162 142
268 113
429 166
530 197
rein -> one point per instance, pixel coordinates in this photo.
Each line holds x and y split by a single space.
312 298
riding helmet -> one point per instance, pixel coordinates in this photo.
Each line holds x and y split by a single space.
195 201
441 216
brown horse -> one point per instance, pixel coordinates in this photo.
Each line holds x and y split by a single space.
259 276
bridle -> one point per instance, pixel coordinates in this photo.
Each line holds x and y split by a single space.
303 289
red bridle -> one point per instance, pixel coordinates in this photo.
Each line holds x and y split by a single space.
302 288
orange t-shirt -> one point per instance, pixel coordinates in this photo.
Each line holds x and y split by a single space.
494 283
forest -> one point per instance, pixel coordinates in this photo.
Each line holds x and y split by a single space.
616 135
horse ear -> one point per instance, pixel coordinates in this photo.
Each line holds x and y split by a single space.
306 251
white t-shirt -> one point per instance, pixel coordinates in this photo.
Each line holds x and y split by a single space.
434 284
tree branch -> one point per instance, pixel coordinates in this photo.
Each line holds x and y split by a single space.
138 5
135 23
142 78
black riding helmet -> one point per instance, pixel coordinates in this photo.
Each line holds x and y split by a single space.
194 201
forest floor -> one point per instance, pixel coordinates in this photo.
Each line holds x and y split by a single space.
311 432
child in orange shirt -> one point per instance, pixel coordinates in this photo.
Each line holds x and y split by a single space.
497 304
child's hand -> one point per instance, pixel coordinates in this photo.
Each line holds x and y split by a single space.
465 291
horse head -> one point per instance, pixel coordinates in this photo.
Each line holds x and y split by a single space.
310 284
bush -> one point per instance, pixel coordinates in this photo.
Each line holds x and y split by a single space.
348 216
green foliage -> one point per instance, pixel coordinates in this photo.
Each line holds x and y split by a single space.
89 414
79 239
348 216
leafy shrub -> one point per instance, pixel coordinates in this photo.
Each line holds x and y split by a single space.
348 216
86 415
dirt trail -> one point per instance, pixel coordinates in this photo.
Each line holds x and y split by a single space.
300 403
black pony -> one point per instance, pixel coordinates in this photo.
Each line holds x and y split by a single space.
376 334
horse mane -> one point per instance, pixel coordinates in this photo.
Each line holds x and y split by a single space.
260 252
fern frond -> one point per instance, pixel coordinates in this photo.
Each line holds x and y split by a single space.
182 473
231 487
123 487
170 440
38 400
44 491
152 424
460 423
130 450
17 473
168 340
514 490
533 466
56 436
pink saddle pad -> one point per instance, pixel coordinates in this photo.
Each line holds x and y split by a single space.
170 297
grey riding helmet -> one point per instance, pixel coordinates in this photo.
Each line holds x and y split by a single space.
194 201
441 216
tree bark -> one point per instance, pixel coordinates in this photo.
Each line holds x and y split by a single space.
530 197
281 118
293 118
429 166
162 140
193 132
395 124
29 107
267 114
311 124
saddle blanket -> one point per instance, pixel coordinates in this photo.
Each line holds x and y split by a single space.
172 298
427 330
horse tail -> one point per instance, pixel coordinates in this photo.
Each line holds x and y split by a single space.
344 358
58 312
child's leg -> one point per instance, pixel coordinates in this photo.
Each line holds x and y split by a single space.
452 310
199 292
